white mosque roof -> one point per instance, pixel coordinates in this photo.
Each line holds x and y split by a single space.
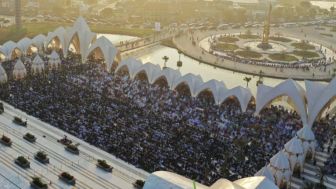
168 180
280 161
3 75
266 172
306 133
258 182
289 88
294 146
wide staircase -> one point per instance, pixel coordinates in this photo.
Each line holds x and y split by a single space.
311 172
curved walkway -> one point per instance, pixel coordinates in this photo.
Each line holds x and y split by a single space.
184 44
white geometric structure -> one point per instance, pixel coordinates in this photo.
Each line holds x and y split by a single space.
19 71
24 45
37 66
289 88
169 75
306 135
217 88
152 71
131 64
102 48
319 96
169 180
3 75
193 82
80 36
258 182
38 41
266 172
295 153
8 49
54 60
57 40
280 167
243 95
225 184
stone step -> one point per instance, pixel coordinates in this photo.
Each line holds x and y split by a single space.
330 180
296 183
311 177
322 154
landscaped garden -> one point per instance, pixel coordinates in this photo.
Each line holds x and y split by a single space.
283 57
281 39
22 162
72 148
42 157
29 137
67 178
225 47
306 54
6 140
37 183
248 54
248 36
303 46
228 39
103 165
19 121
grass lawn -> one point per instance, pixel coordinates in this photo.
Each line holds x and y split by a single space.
327 34
248 54
303 46
246 36
225 47
228 39
282 57
306 54
281 39
33 29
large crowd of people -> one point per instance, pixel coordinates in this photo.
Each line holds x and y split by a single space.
153 127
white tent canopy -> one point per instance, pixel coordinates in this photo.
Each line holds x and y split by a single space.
294 151
24 44
192 81
37 65
39 41
280 167
225 184
307 137
108 50
3 75
168 180
151 71
8 48
266 172
131 64
217 88
258 182
318 95
19 71
288 88
54 60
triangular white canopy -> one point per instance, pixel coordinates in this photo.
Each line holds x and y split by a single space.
256 183
294 151
225 184
54 60
19 71
37 65
266 172
3 75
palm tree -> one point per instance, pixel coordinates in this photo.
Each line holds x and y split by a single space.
165 58
247 79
